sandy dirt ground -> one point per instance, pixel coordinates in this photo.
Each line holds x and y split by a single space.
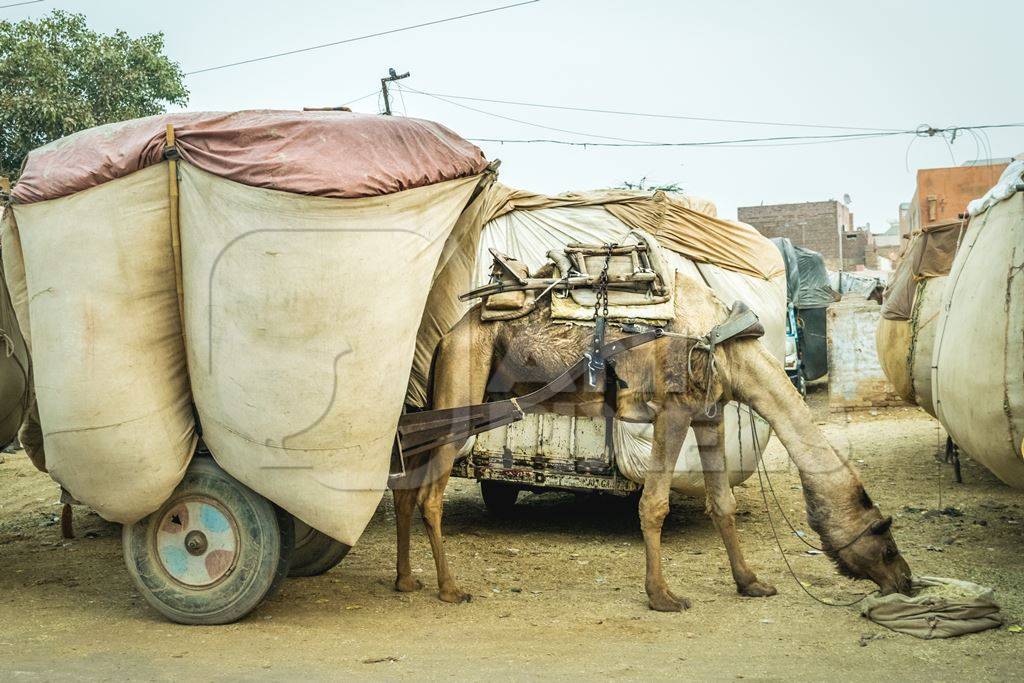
557 589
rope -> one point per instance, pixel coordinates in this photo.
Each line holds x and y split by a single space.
710 407
778 542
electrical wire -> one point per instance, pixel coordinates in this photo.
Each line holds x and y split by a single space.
521 121
923 130
619 112
630 142
19 4
916 133
364 37
360 99
703 143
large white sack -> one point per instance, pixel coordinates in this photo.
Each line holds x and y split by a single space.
924 322
633 444
978 376
30 434
529 235
301 319
108 358
14 363
14 369
14 272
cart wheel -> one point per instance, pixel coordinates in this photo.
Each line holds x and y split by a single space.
315 552
499 497
212 552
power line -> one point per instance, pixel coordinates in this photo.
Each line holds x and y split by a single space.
629 142
522 121
352 40
923 130
360 99
783 140
619 112
19 4
706 143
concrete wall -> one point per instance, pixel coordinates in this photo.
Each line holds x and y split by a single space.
855 377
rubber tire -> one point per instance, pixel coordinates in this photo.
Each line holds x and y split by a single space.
263 557
315 552
801 384
286 523
499 497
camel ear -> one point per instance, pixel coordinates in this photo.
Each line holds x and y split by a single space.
881 526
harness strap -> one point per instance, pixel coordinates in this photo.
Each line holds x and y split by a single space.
428 429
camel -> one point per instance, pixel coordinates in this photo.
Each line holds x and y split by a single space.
476 357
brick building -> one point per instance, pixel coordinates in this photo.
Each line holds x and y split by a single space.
817 226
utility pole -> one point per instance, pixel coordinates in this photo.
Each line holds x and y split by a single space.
391 78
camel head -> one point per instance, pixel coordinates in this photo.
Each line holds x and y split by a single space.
875 556
859 540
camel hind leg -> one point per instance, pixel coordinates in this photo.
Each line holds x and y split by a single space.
670 428
405 503
721 506
461 372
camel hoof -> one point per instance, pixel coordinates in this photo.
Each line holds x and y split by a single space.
666 602
407 584
758 589
454 596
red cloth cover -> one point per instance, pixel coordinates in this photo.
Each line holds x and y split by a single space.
321 153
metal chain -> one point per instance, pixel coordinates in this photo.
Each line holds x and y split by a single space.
601 305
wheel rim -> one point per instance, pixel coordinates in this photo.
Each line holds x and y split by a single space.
197 542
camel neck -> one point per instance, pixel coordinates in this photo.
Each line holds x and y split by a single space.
830 484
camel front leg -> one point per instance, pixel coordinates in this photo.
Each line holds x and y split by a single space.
721 506
670 427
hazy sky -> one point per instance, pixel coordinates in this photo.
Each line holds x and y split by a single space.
865 64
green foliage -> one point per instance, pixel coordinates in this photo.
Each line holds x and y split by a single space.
57 76
649 187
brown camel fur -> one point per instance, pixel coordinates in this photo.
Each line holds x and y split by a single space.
518 355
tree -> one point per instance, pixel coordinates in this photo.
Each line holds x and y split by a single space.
58 76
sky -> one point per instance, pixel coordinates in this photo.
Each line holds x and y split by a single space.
877 65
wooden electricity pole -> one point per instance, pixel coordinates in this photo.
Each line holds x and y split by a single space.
391 78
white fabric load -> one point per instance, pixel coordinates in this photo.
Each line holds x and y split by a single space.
247 285
298 372
108 360
978 358
528 235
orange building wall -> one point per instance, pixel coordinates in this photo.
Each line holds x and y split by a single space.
943 193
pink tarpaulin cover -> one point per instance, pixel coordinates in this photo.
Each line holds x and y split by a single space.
327 154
